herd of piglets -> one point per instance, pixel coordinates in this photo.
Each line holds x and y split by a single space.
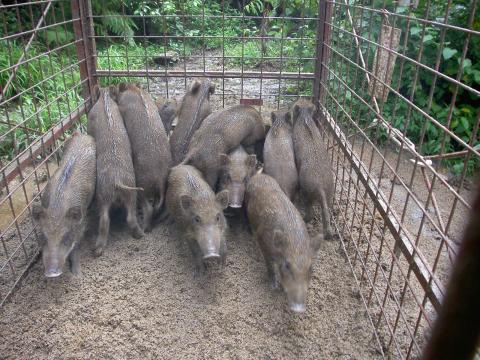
183 162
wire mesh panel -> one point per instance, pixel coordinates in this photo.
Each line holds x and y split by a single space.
250 51
41 99
399 97
396 84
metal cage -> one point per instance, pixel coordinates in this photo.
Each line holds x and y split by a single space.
403 155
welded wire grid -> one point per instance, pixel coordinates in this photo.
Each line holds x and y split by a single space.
272 69
398 218
41 99
399 211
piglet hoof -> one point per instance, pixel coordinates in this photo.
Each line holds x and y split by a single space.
169 221
199 271
275 284
137 233
76 273
329 235
98 251
148 229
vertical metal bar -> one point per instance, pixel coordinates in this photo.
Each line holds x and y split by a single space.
300 46
125 38
145 52
223 53
165 46
83 29
323 36
242 30
282 30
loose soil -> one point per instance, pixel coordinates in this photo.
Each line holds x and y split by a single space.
140 299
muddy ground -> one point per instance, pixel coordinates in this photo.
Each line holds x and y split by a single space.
141 300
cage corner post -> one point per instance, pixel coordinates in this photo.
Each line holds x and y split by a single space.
85 45
321 53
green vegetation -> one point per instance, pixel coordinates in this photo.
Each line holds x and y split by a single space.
44 91
48 88
414 82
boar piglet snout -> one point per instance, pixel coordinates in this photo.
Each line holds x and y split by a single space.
58 237
198 211
293 272
237 168
283 238
60 216
207 226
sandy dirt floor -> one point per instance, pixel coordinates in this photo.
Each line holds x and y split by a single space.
140 300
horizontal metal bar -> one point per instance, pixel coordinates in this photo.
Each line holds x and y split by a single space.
357 283
414 152
62 71
188 37
25 51
27 3
20 277
254 102
36 57
212 74
409 191
46 106
185 16
182 57
23 33
402 56
39 145
21 185
434 292
447 155
411 18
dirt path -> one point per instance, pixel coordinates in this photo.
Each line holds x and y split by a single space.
140 300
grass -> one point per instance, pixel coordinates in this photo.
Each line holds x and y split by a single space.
43 91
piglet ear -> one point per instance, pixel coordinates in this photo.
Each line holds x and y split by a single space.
186 201
122 87
278 244
273 116
195 87
38 212
74 214
222 199
224 159
211 89
251 161
96 92
316 242
288 118
114 91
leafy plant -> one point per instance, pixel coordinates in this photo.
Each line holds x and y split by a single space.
414 82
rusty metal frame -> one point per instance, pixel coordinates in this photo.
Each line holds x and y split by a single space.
434 290
378 238
27 46
323 38
41 149
373 233
83 28
207 73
